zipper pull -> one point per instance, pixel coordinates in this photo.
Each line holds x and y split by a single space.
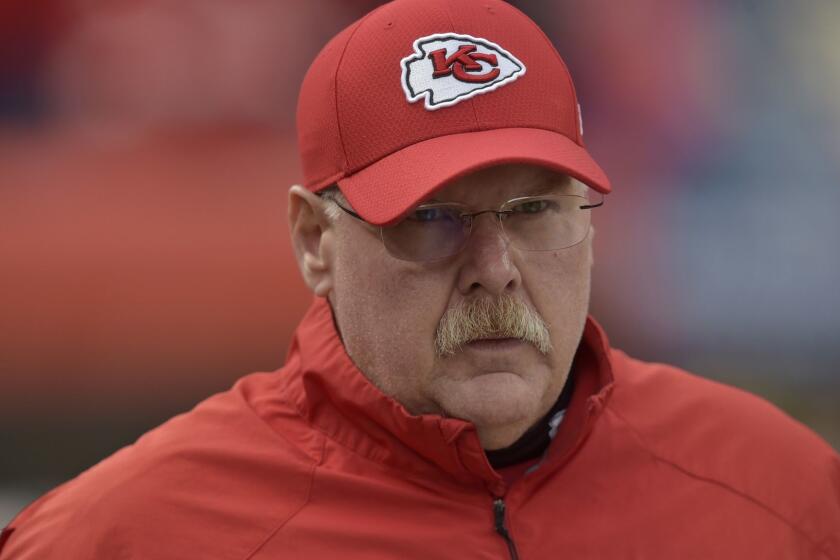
501 528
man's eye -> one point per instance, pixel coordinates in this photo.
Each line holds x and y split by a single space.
428 215
532 206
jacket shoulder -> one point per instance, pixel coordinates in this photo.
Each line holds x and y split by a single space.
731 438
216 470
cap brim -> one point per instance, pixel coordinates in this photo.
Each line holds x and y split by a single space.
386 189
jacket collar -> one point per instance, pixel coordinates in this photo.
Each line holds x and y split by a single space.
332 395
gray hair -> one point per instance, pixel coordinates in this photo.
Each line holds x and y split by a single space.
333 196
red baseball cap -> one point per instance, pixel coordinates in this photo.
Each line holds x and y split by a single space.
418 93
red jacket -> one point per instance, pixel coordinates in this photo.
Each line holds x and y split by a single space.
313 462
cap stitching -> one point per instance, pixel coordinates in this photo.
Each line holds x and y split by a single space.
335 80
403 146
454 30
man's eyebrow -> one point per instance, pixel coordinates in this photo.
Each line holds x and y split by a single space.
553 181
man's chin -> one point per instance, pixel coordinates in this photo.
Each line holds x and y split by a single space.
499 402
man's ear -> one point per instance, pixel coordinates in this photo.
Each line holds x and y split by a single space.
312 239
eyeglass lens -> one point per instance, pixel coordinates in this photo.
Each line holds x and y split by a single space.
547 223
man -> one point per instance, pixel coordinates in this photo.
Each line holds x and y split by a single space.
446 395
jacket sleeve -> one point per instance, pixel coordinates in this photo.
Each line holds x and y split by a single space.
51 529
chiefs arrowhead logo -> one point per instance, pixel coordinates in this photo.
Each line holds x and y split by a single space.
447 68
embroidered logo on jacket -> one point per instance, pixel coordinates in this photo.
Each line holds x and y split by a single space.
447 68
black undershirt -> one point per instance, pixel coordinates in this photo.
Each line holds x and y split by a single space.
534 442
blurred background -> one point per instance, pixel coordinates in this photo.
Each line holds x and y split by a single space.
146 147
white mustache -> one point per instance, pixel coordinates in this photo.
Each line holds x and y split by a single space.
502 317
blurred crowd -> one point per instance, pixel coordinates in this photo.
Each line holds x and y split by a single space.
146 146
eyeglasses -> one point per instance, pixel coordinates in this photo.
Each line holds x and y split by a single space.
545 222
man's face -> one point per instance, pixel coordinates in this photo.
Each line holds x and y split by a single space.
388 311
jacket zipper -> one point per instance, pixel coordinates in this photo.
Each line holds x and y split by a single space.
501 528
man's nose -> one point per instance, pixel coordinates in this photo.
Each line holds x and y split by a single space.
487 262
